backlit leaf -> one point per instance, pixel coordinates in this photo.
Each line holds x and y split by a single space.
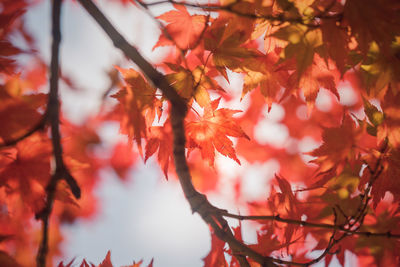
211 132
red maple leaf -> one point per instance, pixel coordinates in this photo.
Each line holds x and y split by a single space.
212 131
315 76
28 169
215 257
387 181
183 28
107 261
160 138
122 159
338 146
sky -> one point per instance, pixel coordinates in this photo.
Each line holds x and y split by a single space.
145 217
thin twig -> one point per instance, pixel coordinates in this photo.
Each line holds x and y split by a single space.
305 224
332 241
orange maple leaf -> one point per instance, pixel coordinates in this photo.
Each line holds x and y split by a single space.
107 261
211 132
183 28
215 257
317 75
160 137
260 72
18 113
138 105
227 51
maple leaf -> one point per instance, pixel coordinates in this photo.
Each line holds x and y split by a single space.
215 257
227 51
267 242
302 45
160 137
386 219
261 73
211 131
183 28
203 178
79 140
138 105
387 181
107 261
336 42
11 12
69 264
7 50
372 21
271 43
18 113
122 159
7 261
285 202
29 170
79 143
85 264
390 126
338 146
313 78
380 69
192 83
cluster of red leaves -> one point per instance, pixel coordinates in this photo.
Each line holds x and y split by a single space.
105 263
285 52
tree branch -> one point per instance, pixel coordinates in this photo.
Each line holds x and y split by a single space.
197 201
307 224
52 115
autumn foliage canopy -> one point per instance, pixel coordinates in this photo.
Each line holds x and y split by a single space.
332 69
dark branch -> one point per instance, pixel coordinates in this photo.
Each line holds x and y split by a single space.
52 115
306 224
197 201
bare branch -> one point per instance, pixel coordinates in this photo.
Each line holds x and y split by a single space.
52 115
